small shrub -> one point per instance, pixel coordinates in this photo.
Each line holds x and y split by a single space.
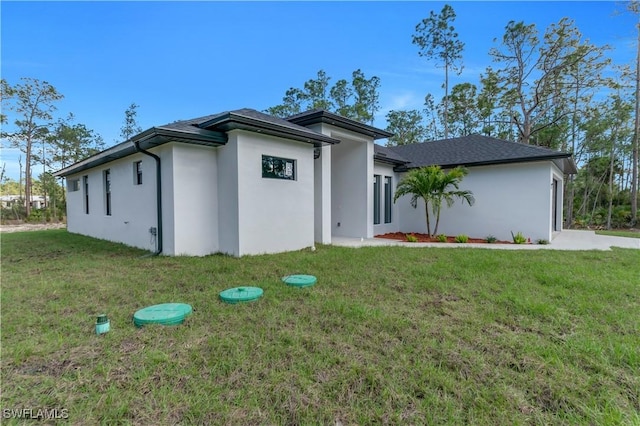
519 238
442 238
491 239
461 238
542 241
411 238
35 216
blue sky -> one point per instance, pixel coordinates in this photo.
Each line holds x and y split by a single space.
180 60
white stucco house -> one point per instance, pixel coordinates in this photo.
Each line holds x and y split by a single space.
37 201
244 182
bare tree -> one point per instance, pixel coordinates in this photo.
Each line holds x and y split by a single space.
535 74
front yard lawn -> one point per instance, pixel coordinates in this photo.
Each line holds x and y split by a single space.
388 335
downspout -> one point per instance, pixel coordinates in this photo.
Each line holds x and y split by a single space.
158 196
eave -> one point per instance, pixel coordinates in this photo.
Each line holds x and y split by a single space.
384 159
321 116
563 160
148 139
232 121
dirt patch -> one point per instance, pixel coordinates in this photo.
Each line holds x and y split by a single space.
424 238
22 227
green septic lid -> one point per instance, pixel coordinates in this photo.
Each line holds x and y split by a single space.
241 294
164 314
300 280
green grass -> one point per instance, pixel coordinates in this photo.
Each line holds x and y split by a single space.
389 335
621 233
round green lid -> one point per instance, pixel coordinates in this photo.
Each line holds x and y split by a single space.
299 280
241 294
164 314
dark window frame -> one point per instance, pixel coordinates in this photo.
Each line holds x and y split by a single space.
73 185
137 172
85 185
388 192
107 192
377 181
278 168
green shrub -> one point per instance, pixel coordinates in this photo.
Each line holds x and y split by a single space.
35 216
542 241
15 212
621 216
519 238
442 238
411 238
461 238
491 239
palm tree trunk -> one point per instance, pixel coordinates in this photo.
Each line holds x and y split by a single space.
426 211
435 230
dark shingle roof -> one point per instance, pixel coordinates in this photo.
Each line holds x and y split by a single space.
208 130
250 119
384 154
473 150
321 116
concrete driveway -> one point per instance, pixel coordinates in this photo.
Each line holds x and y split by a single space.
565 240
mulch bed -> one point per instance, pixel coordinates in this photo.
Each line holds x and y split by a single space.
423 238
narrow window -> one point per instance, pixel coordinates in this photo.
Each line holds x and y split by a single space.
85 184
137 173
376 199
107 191
387 199
278 168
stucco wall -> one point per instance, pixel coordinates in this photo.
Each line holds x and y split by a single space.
322 189
133 210
195 199
322 196
228 196
512 197
351 185
386 170
274 215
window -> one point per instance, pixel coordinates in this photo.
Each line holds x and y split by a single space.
278 168
137 173
85 185
107 192
376 199
387 199
73 185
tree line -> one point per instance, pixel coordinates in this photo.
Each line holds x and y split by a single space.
28 111
552 89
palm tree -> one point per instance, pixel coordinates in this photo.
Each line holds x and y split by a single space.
434 186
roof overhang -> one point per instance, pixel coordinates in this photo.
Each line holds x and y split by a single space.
567 165
232 121
322 116
563 161
148 139
382 158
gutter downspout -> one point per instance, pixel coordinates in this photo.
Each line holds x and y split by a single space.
136 144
